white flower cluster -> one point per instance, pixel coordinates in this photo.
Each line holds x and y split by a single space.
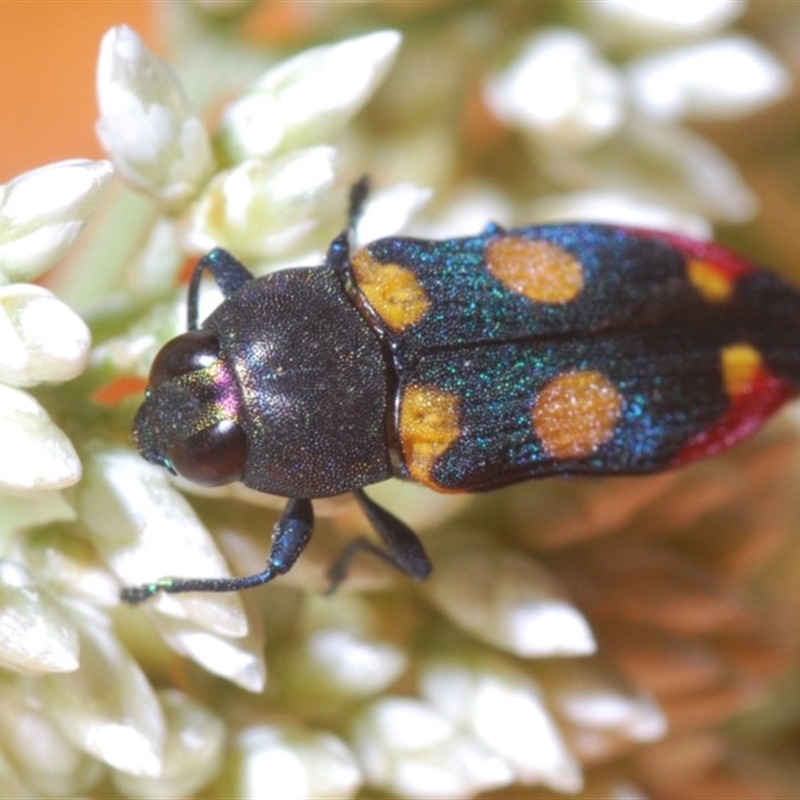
617 124
41 339
273 160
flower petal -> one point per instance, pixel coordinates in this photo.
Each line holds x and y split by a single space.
36 455
193 751
239 659
618 209
68 564
343 653
592 699
36 634
662 164
43 211
389 210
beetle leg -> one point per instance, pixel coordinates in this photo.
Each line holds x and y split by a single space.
289 538
229 274
339 569
404 551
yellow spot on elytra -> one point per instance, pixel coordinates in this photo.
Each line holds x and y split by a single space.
393 291
575 413
740 365
710 282
429 424
542 271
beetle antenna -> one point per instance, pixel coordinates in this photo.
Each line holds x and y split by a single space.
229 274
359 192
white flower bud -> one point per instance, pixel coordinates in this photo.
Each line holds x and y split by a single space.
36 455
239 659
406 747
506 711
155 534
719 79
648 23
389 210
258 207
193 751
293 764
507 599
307 99
146 126
37 750
43 211
36 634
663 164
41 338
618 209
560 90
600 707
107 707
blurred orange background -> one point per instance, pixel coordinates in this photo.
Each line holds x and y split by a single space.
48 51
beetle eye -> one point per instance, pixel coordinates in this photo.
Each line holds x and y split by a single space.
186 353
212 456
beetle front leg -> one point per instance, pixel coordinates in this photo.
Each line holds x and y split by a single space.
229 273
290 536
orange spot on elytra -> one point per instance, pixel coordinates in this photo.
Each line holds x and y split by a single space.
429 424
540 270
748 411
392 290
575 413
741 364
111 393
714 284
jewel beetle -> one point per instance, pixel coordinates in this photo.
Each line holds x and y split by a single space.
465 364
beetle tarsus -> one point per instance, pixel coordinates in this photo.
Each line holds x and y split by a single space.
339 569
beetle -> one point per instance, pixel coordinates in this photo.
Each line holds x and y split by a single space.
465 364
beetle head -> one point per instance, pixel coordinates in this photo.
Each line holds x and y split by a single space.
190 419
